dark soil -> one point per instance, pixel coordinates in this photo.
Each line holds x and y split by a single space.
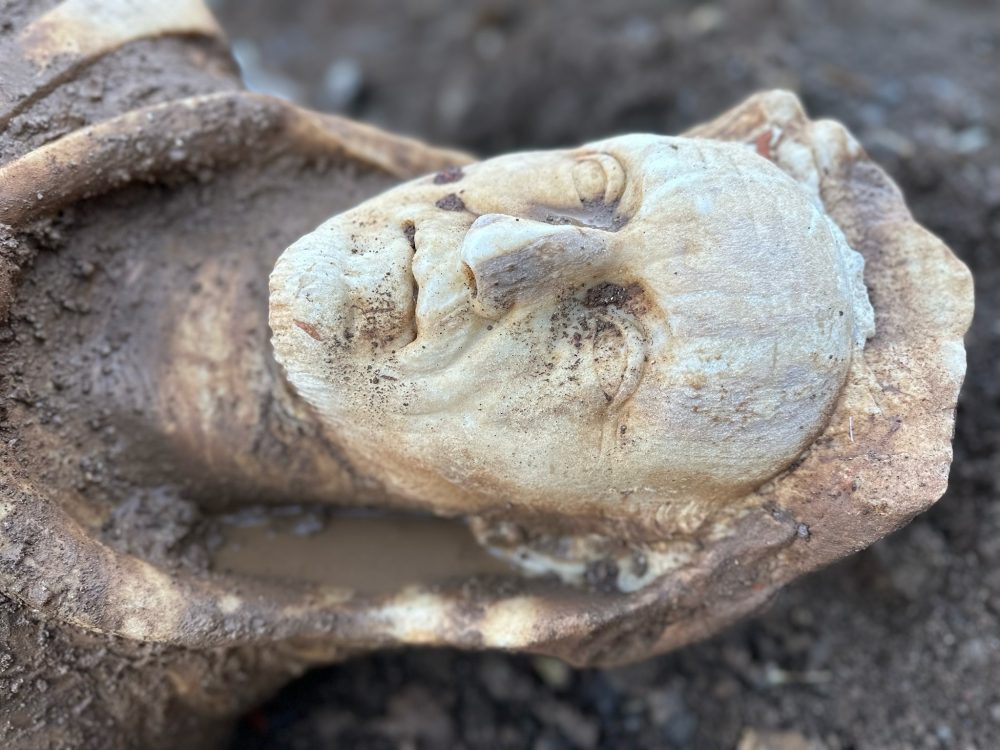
898 647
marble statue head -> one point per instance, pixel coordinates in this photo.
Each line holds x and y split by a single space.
638 331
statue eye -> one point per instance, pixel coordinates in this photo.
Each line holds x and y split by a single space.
598 178
590 180
610 358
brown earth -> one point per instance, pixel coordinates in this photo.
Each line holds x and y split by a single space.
899 646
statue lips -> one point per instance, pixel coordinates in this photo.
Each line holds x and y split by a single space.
444 323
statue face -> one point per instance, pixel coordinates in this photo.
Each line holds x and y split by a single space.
639 330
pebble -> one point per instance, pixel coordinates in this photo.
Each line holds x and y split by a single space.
343 82
765 739
554 673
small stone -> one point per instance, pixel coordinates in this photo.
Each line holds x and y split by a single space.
766 739
343 82
553 672
705 19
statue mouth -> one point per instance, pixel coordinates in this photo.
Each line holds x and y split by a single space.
443 323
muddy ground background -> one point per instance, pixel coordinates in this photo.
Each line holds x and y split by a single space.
899 646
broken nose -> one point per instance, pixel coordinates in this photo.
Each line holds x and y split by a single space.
515 261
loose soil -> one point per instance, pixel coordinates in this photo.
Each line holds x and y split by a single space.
897 647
